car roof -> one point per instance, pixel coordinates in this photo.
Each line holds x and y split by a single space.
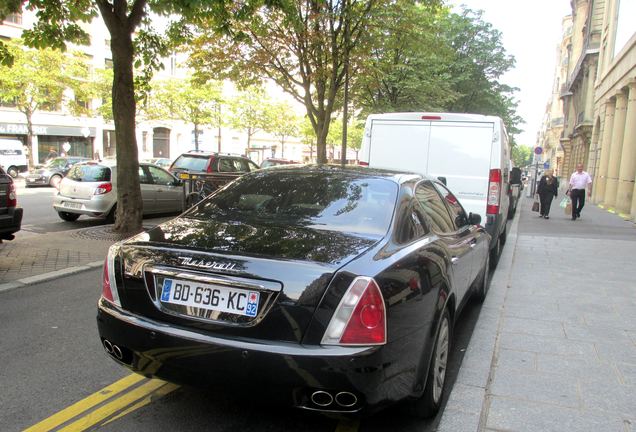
358 171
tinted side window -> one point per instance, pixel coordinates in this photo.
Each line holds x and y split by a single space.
240 165
411 227
434 208
159 176
457 212
252 166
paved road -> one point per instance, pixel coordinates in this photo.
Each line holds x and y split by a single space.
52 358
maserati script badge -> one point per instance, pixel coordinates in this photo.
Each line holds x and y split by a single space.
210 265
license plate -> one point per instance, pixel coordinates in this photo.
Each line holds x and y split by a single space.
210 297
30 180
72 205
184 176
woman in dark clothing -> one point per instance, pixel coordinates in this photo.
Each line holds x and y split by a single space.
547 190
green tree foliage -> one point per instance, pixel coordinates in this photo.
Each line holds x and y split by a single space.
521 155
283 123
478 63
38 78
301 46
133 43
251 112
402 65
188 101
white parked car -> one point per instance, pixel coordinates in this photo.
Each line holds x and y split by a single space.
90 189
469 151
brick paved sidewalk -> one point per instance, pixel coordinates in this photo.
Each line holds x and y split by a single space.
554 348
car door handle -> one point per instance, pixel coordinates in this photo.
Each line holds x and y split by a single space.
473 243
454 259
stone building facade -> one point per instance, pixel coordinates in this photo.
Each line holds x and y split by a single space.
599 100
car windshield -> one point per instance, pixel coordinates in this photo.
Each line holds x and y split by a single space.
318 200
56 163
191 163
89 173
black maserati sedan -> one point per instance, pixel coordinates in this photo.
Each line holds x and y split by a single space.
326 288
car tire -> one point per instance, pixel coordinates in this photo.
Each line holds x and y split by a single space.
495 252
504 235
68 217
428 404
111 216
482 290
192 199
13 172
55 180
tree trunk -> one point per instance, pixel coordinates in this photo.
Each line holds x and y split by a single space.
129 202
196 136
29 140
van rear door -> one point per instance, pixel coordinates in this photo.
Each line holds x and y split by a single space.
462 152
399 144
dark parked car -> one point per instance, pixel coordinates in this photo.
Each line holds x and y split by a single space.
326 288
51 173
208 162
270 162
10 213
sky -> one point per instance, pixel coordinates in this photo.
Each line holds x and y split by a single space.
531 32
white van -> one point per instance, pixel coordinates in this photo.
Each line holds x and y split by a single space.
470 151
12 157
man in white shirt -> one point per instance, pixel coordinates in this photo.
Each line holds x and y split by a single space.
579 182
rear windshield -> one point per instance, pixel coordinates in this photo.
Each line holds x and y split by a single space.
191 162
89 173
324 201
56 163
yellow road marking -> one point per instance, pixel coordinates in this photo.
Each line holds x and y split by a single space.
110 408
162 391
348 426
85 404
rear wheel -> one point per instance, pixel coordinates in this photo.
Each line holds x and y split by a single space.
55 180
68 217
482 291
429 403
495 251
110 218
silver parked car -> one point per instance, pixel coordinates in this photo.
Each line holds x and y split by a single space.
90 189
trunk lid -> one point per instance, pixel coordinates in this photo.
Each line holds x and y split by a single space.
286 270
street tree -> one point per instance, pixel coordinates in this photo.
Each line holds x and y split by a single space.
405 64
251 112
134 44
521 155
283 124
478 63
302 46
38 79
185 100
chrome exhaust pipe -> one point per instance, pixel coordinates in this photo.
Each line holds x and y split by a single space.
346 399
108 346
321 398
117 352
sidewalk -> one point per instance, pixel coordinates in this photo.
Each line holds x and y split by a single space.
554 348
31 257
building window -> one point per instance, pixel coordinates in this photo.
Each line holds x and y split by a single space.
173 64
108 63
144 141
14 18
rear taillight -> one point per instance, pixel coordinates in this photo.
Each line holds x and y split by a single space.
103 188
360 318
210 163
12 197
494 191
362 163
430 117
109 285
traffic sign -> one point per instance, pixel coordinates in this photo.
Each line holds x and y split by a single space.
546 165
538 150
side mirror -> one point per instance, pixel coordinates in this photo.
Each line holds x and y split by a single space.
474 219
177 182
443 180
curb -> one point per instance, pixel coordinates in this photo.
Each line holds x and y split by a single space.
467 403
31 280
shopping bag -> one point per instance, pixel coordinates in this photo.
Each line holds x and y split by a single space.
535 206
564 202
568 208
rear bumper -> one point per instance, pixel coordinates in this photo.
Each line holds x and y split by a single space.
286 373
36 181
10 222
91 207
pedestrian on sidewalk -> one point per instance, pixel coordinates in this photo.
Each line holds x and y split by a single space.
547 190
579 182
